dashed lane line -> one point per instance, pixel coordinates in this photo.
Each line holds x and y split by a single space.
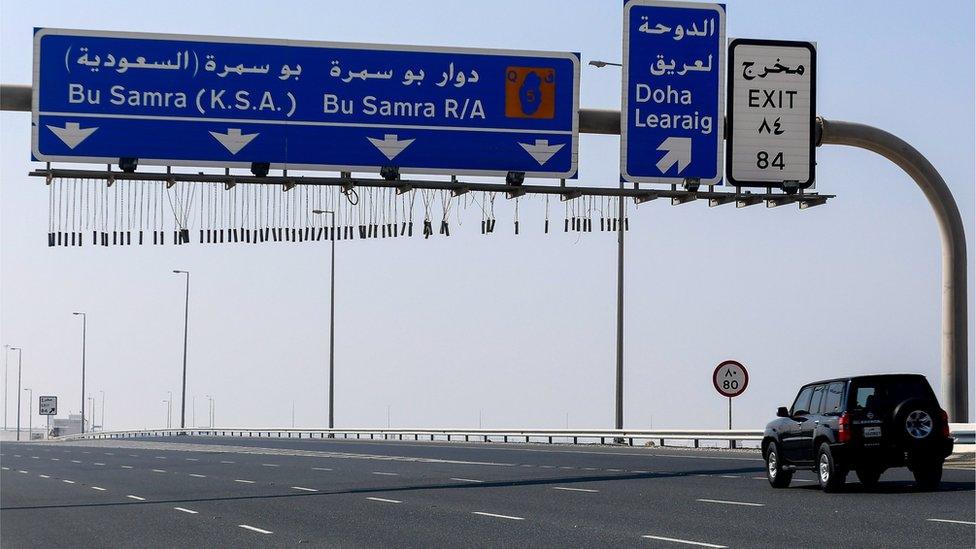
304 489
466 480
192 459
509 517
269 465
726 502
44 476
568 489
384 473
158 470
67 481
126 466
255 529
321 469
685 541
137 498
97 463
226 462
197 475
384 500
5 468
243 481
21 471
99 488
730 476
75 461
185 510
952 521
55 459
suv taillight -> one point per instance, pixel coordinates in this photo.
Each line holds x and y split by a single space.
844 428
945 424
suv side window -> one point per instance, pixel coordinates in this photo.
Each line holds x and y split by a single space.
818 393
833 398
802 402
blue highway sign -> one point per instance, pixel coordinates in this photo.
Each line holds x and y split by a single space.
674 59
229 102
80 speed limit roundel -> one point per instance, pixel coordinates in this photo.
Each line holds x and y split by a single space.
730 378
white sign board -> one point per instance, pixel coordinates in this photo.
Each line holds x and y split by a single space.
48 406
772 105
730 378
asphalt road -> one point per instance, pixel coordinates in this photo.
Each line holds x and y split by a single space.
220 492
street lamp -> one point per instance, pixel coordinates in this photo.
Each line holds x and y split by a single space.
84 337
186 322
211 409
6 387
103 409
91 404
30 416
19 357
169 410
619 401
331 321
166 402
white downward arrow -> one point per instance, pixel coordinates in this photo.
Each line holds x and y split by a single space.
390 146
234 140
678 151
541 150
71 133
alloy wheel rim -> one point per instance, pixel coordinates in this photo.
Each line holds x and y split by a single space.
918 424
772 465
824 468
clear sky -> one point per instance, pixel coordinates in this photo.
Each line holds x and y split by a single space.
518 328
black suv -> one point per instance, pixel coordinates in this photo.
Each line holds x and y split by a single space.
866 424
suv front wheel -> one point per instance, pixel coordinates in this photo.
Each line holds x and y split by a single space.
777 476
829 474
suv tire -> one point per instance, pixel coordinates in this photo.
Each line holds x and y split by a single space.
928 474
869 476
778 476
917 422
829 474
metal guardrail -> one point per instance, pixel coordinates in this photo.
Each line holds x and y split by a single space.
964 433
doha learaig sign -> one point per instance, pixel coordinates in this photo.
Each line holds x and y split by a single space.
229 102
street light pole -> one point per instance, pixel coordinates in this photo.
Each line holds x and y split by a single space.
30 416
166 402
19 360
103 409
186 323
84 337
331 321
6 387
169 410
619 385
210 408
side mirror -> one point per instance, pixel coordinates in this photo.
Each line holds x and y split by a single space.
782 412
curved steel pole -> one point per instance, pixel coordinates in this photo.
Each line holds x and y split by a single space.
955 363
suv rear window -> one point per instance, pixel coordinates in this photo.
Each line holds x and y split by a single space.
871 394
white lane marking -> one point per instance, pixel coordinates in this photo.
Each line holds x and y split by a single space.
384 500
641 472
133 455
83 452
526 465
99 488
75 461
5 468
244 481
198 475
35 457
803 480
615 470
302 488
192 459
466 479
44 476
55 459
254 529
109 454
127 467
321 469
185 510
386 474
952 521
547 467
760 478
158 470
686 542
725 502
225 462
160 457
269 465
68 481
730 476
496 516
568 489
21 472
97 463
565 467
137 498
16 455
589 468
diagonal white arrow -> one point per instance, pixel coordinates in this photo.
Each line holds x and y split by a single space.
678 151
234 140
541 150
390 146
71 133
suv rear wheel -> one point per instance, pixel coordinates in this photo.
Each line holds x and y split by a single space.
830 475
927 473
777 476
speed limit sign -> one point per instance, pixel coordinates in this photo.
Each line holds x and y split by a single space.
730 378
